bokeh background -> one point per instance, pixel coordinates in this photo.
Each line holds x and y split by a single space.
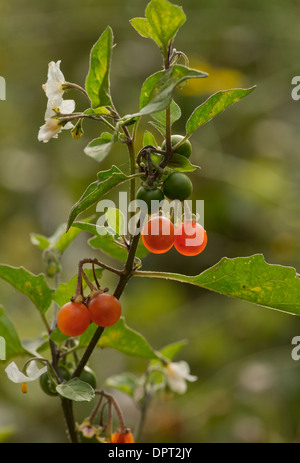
248 385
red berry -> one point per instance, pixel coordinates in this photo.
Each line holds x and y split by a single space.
105 309
73 319
190 238
158 235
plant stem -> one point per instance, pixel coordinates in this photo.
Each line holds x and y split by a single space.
67 406
124 276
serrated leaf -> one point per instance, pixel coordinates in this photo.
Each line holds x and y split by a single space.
13 346
100 147
107 180
32 286
165 19
249 278
213 106
125 382
97 81
76 390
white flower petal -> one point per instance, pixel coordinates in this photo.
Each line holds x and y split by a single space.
67 106
49 130
16 376
54 85
68 126
54 104
177 375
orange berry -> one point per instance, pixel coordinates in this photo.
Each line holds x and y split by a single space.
122 438
73 319
105 309
158 235
190 238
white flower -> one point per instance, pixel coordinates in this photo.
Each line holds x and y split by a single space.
177 375
16 376
52 127
54 87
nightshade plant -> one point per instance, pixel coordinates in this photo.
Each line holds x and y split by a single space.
66 376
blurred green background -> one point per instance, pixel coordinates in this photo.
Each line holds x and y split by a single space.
248 385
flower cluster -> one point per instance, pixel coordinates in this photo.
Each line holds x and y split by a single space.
56 106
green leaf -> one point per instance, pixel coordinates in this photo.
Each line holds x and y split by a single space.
177 162
106 239
95 229
76 390
125 382
65 238
60 240
13 346
107 180
149 139
97 81
213 106
41 241
157 90
100 147
143 27
115 249
100 111
181 163
160 117
248 278
171 350
126 340
165 19
116 220
121 338
32 286
108 245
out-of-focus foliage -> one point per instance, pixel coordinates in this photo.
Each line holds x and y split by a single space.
248 384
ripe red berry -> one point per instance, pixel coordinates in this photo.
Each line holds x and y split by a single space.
73 319
105 309
158 235
190 238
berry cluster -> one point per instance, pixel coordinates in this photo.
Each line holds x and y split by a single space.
175 185
159 235
101 308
